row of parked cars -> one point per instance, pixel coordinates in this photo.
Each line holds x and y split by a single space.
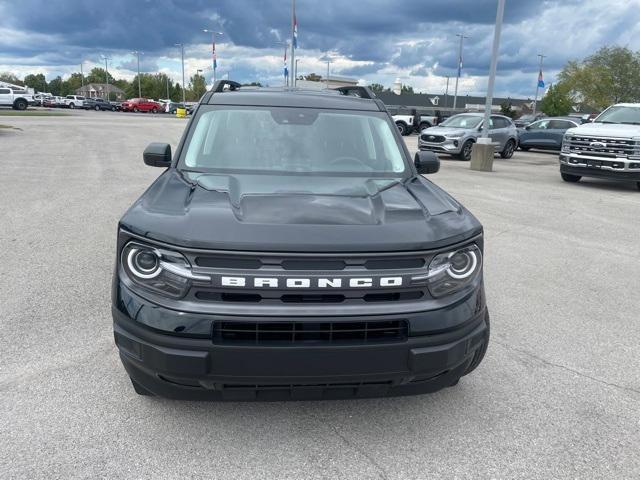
606 146
100 104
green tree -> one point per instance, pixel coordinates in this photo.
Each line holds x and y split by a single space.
406 89
197 87
609 76
10 78
253 84
37 82
98 75
557 101
73 83
377 88
506 109
55 86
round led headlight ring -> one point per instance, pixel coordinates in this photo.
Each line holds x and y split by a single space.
463 264
143 263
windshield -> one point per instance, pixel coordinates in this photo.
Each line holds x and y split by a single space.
620 114
462 121
293 141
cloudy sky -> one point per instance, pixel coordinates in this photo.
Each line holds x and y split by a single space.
372 40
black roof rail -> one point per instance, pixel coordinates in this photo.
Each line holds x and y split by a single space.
357 91
218 87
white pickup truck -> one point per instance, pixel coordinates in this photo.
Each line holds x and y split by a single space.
404 122
609 147
73 101
16 99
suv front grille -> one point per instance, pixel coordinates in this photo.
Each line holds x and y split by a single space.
432 138
603 147
294 333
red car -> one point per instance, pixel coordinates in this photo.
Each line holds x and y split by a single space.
141 105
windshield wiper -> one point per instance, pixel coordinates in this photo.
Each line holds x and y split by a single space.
606 121
631 123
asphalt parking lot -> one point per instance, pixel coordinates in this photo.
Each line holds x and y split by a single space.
558 395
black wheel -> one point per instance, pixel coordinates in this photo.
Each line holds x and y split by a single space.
20 104
113 109
509 148
567 177
135 110
139 389
402 128
72 106
97 107
465 152
423 125
524 149
482 350
154 110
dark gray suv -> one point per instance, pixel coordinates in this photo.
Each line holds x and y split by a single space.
457 134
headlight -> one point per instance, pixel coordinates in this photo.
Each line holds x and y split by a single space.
159 270
454 135
452 271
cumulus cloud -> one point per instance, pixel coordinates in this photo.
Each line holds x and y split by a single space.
372 40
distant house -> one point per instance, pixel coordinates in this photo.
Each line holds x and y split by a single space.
94 90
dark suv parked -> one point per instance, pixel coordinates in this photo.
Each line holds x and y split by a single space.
307 259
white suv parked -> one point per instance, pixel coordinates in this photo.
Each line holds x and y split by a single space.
74 101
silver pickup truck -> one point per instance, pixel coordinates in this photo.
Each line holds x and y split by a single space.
609 147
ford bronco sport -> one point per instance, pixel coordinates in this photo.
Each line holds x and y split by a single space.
308 258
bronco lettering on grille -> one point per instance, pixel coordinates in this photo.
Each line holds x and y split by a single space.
275 282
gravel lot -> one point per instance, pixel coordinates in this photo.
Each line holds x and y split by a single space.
558 395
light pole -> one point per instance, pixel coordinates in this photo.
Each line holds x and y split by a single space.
294 41
483 151
137 54
214 56
181 45
446 94
535 101
106 74
455 95
81 75
295 73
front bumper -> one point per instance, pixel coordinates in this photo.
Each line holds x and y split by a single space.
588 166
451 146
195 367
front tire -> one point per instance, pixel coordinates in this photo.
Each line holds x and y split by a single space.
154 110
72 106
423 125
135 110
509 148
20 104
567 177
402 128
465 152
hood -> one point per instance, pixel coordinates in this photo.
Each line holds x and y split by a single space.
301 214
443 131
606 129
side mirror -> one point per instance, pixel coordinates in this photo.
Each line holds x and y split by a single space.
157 155
426 162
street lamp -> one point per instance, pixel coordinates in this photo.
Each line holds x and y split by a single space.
137 54
455 95
106 71
214 57
295 73
181 45
327 58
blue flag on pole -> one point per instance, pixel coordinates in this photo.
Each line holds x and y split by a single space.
286 70
540 80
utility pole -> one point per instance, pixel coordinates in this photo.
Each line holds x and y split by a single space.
214 55
446 94
535 101
181 45
81 76
106 71
293 41
455 95
295 74
168 97
137 54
